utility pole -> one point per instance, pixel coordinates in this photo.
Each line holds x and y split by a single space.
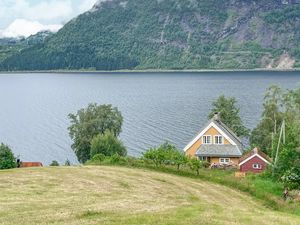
281 136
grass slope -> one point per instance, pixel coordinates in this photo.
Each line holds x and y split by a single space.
115 195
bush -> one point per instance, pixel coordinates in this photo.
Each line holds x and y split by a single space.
7 159
165 154
98 158
291 178
117 159
195 165
54 163
107 144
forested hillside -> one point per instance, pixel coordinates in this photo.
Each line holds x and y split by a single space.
171 34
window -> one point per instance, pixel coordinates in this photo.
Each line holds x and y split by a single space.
224 160
219 140
256 166
203 158
207 139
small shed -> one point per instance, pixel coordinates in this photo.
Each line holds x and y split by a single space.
255 161
31 164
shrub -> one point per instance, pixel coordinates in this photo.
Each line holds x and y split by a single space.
54 163
7 159
291 178
195 165
98 158
117 159
165 154
107 144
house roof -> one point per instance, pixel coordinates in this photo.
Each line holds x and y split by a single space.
228 131
219 151
224 130
253 153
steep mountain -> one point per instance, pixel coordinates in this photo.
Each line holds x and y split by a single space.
12 46
172 34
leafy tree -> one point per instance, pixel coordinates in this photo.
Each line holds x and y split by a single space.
164 154
107 144
7 159
178 158
54 163
264 134
90 122
195 165
229 114
155 155
282 145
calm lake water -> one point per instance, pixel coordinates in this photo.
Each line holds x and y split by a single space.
156 107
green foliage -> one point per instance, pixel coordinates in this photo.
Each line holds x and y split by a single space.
107 144
280 105
285 15
98 158
229 115
195 165
88 123
7 159
117 159
166 154
54 163
168 34
291 178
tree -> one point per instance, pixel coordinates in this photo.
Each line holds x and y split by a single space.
7 158
264 134
90 122
229 115
107 144
161 155
54 163
195 165
178 158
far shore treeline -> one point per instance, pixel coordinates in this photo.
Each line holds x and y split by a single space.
95 133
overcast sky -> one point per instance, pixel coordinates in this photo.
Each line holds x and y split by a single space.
26 17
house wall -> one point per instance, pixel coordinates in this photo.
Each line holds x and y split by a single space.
211 131
216 160
248 166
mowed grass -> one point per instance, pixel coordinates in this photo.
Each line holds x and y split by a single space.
117 195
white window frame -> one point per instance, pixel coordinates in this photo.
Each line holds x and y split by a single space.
203 158
256 166
205 137
224 160
218 136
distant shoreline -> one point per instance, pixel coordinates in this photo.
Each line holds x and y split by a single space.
152 71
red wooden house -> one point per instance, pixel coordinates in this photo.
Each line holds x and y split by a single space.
255 161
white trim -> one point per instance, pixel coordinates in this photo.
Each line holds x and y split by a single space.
256 166
211 140
249 158
222 143
220 159
212 124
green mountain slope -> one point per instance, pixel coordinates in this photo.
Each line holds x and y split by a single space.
172 34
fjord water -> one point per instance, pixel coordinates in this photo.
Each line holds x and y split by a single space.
156 106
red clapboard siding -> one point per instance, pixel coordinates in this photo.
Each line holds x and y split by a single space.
248 166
